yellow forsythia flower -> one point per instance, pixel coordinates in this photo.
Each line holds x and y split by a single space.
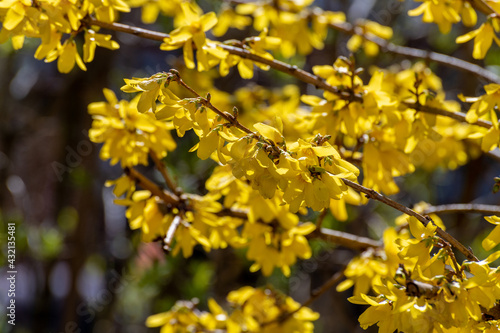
369 28
193 32
483 38
128 135
493 239
50 20
92 40
144 213
442 12
66 56
254 310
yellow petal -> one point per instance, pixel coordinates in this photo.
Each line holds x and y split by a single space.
469 16
207 145
493 219
312 100
17 42
354 43
67 57
323 151
269 132
467 37
245 67
208 21
150 11
14 16
491 140
188 54
158 319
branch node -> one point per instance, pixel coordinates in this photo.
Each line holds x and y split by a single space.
175 73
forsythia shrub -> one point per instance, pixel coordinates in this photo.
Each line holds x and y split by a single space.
282 154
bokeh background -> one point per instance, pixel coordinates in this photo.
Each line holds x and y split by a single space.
81 269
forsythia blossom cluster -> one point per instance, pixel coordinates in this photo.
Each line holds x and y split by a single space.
253 310
128 135
485 107
308 173
445 13
273 234
56 23
420 289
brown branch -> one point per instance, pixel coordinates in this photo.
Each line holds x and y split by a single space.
163 170
294 71
492 313
321 218
206 101
136 31
447 247
147 184
440 112
338 237
233 212
411 52
346 239
483 7
331 282
464 208
417 288
372 194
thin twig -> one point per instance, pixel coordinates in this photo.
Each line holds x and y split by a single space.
411 52
369 192
331 282
464 208
454 115
206 102
372 194
233 212
171 232
321 218
147 184
136 31
341 238
346 239
163 170
294 71
483 7
449 250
